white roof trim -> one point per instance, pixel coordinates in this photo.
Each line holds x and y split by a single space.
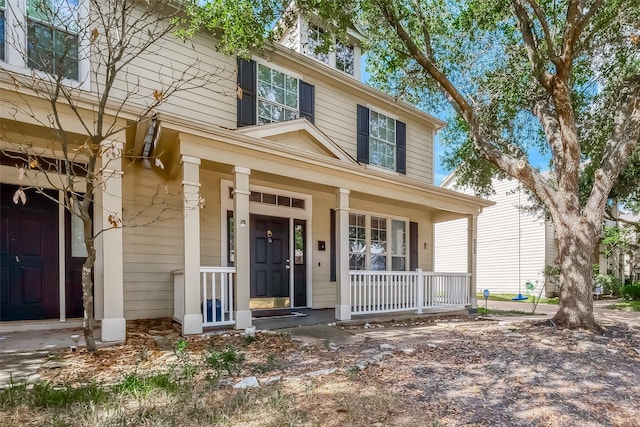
298 125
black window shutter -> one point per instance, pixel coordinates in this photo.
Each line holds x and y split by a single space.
307 101
247 81
401 147
413 246
363 134
332 246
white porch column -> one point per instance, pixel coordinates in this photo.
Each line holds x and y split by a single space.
472 253
192 320
343 287
109 271
242 246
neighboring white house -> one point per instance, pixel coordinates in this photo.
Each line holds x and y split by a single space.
514 245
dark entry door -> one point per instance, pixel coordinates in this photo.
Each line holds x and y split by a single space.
270 261
29 256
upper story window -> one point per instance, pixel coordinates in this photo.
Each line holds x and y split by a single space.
52 36
277 96
345 58
43 35
269 95
381 140
314 40
341 56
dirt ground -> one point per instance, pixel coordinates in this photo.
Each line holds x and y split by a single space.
450 372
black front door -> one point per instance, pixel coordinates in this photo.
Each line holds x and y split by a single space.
29 278
270 261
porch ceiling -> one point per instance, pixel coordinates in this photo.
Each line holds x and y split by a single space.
16 134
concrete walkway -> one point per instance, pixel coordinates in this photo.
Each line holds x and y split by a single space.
546 311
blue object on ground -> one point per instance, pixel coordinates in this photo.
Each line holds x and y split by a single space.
519 298
210 311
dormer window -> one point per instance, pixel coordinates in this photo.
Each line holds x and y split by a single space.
314 40
345 58
341 56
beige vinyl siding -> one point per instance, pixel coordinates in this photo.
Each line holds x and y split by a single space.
324 291
210 223
511 243
152 251
211 100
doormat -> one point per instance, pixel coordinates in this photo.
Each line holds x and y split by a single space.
274 314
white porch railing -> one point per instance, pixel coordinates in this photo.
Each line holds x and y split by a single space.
216 295
394 291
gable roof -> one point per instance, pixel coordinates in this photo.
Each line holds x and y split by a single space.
299 134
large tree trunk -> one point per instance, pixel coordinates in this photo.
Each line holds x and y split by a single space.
577 240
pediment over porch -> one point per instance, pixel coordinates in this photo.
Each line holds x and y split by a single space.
300 135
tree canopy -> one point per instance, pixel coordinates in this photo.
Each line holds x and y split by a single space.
561 77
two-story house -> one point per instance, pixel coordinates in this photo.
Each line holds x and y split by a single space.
297 186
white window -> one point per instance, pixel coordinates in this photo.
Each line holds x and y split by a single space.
45 36
382 140
314 40
52 36
357 242
341 56
398 245
370 242
277 96
378 246
345 58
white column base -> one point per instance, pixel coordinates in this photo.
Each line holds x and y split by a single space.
192 324
113 330
343 312
243 319
474 302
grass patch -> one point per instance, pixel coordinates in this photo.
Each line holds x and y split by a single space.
47 395
509 298
141 386
486 312
626 306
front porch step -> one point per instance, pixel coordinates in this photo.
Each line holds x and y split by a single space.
39 325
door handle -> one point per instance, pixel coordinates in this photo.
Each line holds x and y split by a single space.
17 258
288 266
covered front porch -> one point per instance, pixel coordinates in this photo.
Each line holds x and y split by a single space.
305 227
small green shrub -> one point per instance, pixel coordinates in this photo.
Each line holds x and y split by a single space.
270 365
14 393
229 360
631 292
